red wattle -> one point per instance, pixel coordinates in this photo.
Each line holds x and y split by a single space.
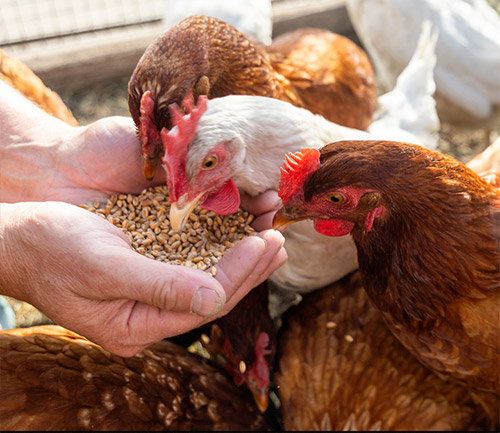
224 201
336 227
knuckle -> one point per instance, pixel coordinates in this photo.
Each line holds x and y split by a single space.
164 295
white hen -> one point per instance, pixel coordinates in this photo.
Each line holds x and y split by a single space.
408 112
252 17
468 50
251 135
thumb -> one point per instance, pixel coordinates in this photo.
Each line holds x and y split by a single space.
169 287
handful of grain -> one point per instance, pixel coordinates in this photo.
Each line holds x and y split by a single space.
144 219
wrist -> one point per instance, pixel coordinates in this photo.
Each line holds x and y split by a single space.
11 263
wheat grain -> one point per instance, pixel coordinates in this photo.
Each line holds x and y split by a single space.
144 219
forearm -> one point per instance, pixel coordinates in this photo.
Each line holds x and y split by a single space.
29 148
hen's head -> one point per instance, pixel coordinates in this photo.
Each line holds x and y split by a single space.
199 171
338 188
246 338
200 54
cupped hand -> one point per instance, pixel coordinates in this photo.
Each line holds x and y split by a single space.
82 273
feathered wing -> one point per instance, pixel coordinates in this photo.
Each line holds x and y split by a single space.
340 368
53 379
332 75
408 112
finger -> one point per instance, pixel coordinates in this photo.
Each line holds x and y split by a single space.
266 202
246 261
181 323
264 221
168 287
147 324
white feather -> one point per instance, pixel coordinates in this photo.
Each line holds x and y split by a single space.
468 50
408 112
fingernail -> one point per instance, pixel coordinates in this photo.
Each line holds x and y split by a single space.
277 203
206 302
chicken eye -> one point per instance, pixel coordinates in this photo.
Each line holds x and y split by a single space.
209 163
335 198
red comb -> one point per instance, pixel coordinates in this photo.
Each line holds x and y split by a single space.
176 143
296 169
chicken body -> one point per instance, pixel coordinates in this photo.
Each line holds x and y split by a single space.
341 369
254 18
211 57
22 78
53 379
246 338
427 232
468 51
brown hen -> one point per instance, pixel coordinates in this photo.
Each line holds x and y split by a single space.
54 379
427 232
243 341
22 78
340 368
311 68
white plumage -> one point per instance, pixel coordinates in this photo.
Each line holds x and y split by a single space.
259 131
408 112
252 17
488 160
468 50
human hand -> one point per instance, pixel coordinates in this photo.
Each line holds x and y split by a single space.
74 164
263 206
81 272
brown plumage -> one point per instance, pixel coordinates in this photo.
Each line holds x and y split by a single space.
427 231
310 68
246 338
331 75
340 368
22 78
54 379
243 341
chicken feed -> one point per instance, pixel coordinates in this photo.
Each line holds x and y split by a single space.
144 219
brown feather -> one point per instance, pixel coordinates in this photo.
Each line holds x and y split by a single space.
340 368
22 78
73 384
431 263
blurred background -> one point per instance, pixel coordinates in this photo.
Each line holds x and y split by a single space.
86 50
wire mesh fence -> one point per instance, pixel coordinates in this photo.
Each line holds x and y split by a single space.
30 20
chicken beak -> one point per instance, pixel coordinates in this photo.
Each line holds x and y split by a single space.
180 211
261 398
282 220
149 167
